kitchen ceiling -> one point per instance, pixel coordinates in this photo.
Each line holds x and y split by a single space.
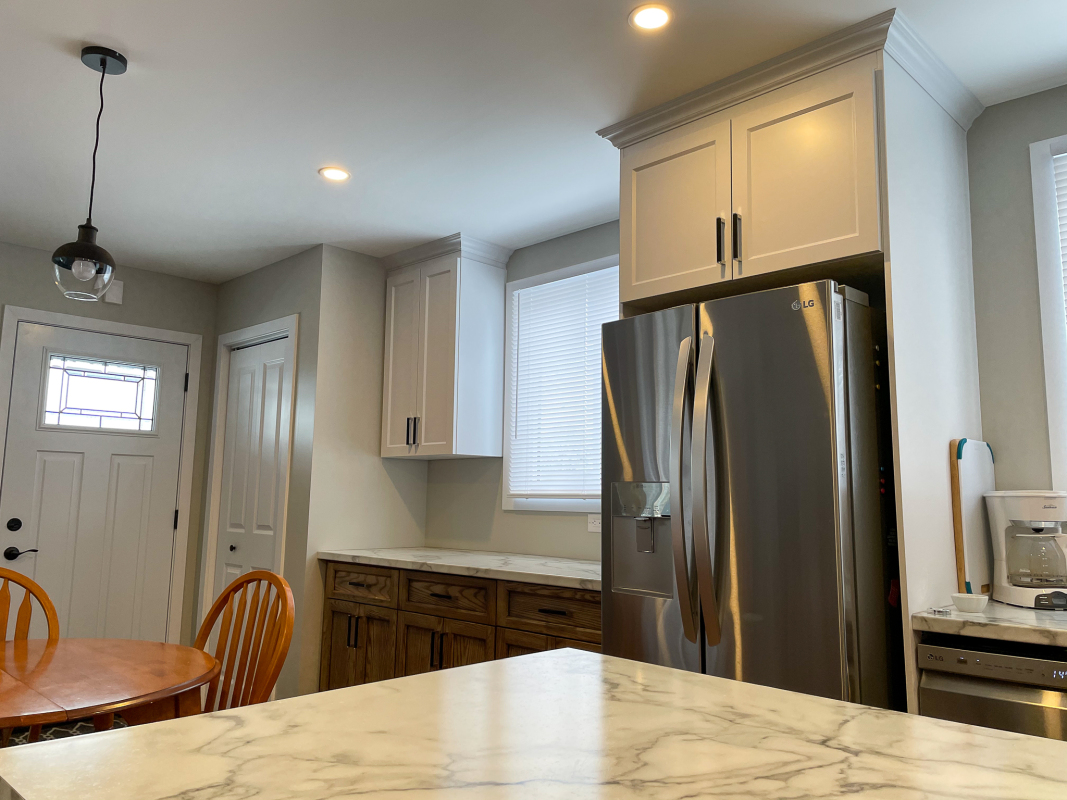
472 115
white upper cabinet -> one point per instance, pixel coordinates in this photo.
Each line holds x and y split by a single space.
784 179
805 171
675 196
444 351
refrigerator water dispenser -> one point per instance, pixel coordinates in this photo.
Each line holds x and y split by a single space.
641 558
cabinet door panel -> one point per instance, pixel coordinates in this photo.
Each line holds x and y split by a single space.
377 637
511 643
437 356
419 644
675 187
344 658
467 643
805 171
400 382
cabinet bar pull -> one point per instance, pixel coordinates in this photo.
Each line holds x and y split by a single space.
441 652
348 632
415 430
720 241
433 648
737 237
407 432
554 611
355 632
357 584
440 596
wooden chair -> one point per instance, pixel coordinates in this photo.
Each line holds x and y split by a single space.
33 591
257 613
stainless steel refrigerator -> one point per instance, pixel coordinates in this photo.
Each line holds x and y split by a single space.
741 524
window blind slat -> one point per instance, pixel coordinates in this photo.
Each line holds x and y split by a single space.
1059 168
554 424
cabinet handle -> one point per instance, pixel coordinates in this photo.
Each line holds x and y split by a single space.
441 651
407 433
352 639
415 430
737 237
440 596
720 241
554 611
357 584
433 648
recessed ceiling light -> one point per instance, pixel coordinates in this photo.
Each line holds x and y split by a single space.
650 17
334 174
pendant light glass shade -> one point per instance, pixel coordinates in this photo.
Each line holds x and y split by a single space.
84 270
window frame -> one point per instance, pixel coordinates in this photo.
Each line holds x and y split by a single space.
550 504
1051 298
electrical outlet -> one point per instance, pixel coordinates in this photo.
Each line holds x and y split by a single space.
594 523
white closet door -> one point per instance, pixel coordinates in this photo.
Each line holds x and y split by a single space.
437 356
805 171
254 462
90 476
675 188
401 378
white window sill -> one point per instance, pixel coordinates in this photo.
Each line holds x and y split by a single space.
571 505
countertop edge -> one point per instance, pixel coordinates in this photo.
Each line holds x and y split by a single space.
444 568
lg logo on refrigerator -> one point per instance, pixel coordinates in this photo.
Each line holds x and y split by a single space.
799 304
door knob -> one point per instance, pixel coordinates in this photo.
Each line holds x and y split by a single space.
233 547
13 552
14 524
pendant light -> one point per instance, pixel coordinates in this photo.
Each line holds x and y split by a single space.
83 268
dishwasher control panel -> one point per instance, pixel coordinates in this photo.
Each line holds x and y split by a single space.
1047 672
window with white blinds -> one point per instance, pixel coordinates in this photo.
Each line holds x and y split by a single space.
552 397
1059 169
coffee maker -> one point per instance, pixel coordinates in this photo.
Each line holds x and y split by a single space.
1029 559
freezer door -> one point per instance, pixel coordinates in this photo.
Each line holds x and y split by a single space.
642 615
773 494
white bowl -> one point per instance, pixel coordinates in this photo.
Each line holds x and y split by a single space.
972 603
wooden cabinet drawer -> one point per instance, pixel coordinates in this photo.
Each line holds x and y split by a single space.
450 596
511 643
552 610
364 584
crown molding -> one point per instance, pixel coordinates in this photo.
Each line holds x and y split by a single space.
931 73
869 36
466 246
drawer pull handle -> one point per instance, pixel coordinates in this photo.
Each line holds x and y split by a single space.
440 596
357 584
554 611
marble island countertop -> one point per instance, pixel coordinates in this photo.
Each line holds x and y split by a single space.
997 621
570 572
560 724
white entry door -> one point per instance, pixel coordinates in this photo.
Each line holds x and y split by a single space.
255 462
90 476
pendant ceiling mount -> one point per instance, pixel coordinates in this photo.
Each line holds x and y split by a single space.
83 269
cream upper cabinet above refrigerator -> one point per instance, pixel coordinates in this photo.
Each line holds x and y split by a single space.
784 179
443 387
675 201
805 171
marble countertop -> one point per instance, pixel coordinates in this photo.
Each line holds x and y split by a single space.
560 724
997 621
570 572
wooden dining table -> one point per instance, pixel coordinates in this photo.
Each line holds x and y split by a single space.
44 682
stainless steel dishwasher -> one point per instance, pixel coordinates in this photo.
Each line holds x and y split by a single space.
1006 685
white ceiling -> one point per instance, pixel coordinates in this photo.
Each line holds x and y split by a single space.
472 115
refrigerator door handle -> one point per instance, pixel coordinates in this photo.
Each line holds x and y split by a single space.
701 547
686 597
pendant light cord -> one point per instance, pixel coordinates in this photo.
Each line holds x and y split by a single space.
96 144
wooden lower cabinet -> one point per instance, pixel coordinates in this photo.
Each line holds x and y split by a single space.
358 644
519 643
427 643
375 624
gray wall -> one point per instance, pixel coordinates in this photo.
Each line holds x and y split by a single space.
463 497
1007 309
291 286
154 300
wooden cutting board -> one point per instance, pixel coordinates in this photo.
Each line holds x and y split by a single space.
971 468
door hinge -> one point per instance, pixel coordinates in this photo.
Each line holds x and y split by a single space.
175 519
186 381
